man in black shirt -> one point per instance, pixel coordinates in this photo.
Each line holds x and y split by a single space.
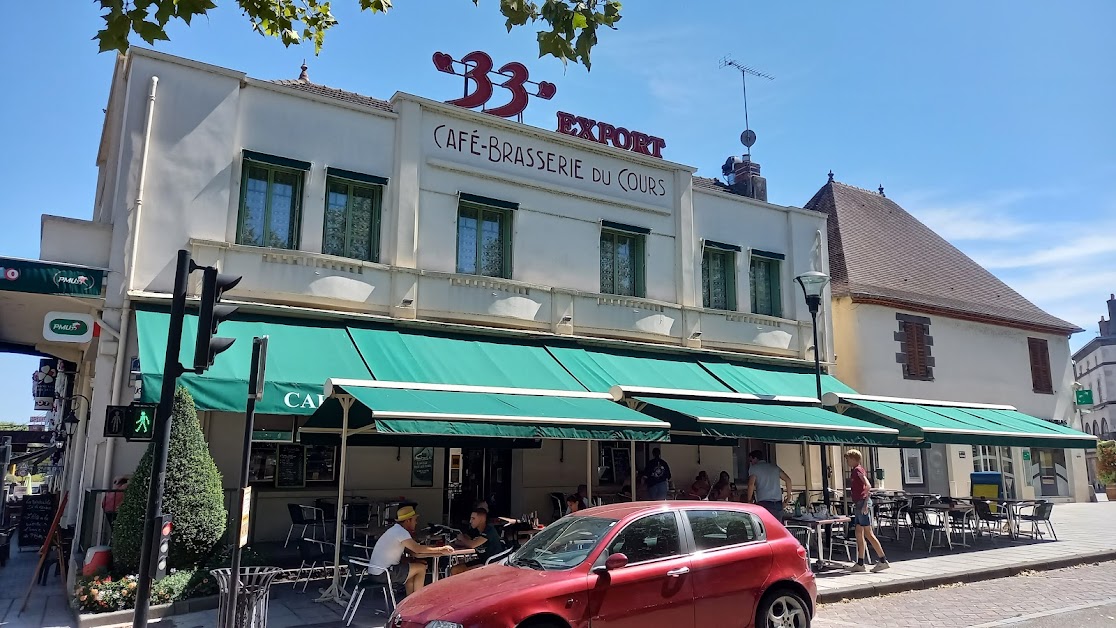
480 536
657 474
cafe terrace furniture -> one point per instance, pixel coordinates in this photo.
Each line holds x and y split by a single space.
1039 515
367 581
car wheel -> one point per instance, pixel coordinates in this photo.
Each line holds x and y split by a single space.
543 623
783 608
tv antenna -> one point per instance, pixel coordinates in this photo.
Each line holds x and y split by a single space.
748 137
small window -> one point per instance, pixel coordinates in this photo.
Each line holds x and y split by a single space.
719 528
915 356
651 538
483 240
1040 366
270 203
764 276
352 220
622 263
718 279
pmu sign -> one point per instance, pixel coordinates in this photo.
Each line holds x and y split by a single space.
481 81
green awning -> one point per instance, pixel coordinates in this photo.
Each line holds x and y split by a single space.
301 355
22 275
774 380
962 424
460 360
479 413
599 371
730 419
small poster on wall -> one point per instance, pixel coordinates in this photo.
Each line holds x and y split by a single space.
422 467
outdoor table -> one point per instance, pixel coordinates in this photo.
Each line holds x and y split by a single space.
945 511
818 525
434 556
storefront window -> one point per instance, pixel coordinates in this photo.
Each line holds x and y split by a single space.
996 459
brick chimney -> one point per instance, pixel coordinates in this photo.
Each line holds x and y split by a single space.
743 176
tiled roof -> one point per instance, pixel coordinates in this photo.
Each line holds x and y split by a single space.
711 184
878 250
337 94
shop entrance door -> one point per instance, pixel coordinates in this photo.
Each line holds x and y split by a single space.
1051 471
484 477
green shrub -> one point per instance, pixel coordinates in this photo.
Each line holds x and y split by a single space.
191 495
1106 462
107 594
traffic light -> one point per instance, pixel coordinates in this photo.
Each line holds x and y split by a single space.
139 424
163 528
211 314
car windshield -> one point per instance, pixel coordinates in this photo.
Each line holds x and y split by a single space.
563 544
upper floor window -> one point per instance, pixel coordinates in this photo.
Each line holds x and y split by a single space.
622 270
1040 366
352 215
764 277
270 201
718 276
484 236
914 347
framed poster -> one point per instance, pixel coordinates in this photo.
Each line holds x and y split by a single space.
422 467
912 467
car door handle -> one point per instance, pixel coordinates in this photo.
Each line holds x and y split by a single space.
681 571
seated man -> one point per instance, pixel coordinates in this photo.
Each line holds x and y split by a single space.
573 504
582 497
388 552
480 536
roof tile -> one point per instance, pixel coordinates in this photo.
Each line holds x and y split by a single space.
336 94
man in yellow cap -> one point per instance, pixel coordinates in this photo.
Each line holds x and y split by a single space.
387 555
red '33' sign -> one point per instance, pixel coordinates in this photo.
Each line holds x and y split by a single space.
479 84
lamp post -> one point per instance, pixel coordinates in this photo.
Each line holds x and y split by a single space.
813 284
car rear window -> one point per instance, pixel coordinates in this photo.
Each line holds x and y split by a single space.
719 528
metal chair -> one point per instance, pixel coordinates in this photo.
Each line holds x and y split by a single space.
499 556
804 535
357 517
1040 514
311 552
558 503
920 520
986 518
305 516
367 581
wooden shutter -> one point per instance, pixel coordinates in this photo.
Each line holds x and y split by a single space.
1039 352
915 341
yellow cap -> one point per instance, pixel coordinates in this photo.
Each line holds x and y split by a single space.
405 513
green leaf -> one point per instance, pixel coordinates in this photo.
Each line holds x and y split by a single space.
585 42
151 32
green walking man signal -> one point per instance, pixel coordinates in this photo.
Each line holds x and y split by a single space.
140 425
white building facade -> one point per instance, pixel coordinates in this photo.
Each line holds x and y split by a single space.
1095 368
339 207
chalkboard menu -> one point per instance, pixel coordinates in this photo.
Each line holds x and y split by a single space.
35 521
422 467
621 465
290 471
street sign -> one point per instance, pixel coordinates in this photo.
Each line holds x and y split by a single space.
1085 397
67 327
1026 454
140 423
245 515
115 419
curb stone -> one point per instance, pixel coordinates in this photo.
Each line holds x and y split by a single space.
975 575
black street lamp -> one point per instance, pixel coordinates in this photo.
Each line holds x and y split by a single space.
813 284
70 424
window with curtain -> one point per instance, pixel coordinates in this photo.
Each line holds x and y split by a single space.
622 263
352 220
483 240
764 278
270 203
718 279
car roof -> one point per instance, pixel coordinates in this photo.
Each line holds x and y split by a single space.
630 510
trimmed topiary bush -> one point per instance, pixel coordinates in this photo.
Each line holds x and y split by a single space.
192 496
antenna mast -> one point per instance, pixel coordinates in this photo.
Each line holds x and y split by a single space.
748 137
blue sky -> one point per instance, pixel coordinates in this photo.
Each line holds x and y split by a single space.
992 121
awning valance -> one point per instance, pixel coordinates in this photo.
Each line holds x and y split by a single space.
959 423
301 354
778 422
476 411
23 275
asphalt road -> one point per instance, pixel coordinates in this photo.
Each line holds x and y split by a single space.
1080 597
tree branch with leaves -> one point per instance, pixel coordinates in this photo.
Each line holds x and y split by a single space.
570 32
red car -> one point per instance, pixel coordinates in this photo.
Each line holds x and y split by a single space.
633 565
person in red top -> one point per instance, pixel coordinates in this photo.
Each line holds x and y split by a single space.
860 488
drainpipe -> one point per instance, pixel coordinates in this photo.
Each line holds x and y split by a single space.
129 273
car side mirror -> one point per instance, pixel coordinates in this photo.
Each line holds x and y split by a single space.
615 561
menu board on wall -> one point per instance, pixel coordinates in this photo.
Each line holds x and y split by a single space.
290 471
422 467
35 520
621 465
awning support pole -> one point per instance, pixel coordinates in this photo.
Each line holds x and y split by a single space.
632 470
336 592
589 470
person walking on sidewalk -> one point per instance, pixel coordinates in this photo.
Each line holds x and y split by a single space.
860 488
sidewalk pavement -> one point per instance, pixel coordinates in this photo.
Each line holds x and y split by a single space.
1085 535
